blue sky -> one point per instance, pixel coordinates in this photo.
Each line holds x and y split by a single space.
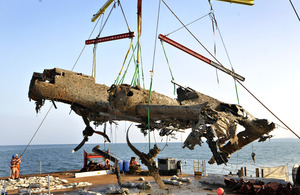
262 40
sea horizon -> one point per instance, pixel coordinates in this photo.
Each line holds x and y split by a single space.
272 139
47 158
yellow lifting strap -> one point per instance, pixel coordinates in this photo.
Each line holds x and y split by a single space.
94 61
126 57
245 2
101 10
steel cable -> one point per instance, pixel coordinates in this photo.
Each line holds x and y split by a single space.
230 72
85 44
37 130
294 10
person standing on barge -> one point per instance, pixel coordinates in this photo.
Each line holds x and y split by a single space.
15 167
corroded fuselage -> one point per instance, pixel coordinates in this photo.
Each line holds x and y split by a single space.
208 117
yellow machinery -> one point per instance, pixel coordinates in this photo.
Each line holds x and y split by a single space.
199 168
102 10
245 2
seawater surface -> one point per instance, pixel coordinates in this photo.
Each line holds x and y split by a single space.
55 158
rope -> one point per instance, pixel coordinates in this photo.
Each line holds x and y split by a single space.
116 145
187 24
142 69
136 80
253 157
136 77
101 25
72 70
132 56
52 104
126 56
225 48
281 126
236 92
295 10
155 40
214 23
124 15
95 50
104 130
168 65
37 130
149 111
112 139
165 144
105 21
117 79
152 71
267 109
85 44
230 73
94 60
192 34
119 3
95 45
154 137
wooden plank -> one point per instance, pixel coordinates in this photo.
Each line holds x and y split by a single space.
92 173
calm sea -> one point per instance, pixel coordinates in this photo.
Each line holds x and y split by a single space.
54 158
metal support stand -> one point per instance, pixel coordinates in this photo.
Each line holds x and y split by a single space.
40 167
48 184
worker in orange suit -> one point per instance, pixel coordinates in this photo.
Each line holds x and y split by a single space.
14 165
18 164
132 161
106 164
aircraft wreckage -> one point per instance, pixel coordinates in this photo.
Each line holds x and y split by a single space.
207 117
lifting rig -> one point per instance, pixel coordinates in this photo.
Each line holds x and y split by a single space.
207 117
